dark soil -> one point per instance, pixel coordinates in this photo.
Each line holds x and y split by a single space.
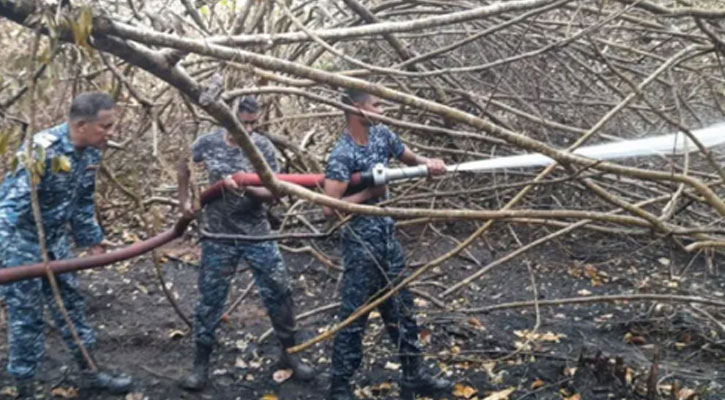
140 334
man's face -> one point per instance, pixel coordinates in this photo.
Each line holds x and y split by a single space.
96 133
373 106
248 120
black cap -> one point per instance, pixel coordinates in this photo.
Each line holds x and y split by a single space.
354 96
248 104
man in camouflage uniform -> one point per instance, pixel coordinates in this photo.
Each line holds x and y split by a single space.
71 153
239 212
372 256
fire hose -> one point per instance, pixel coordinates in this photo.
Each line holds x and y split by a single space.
12 274
667 144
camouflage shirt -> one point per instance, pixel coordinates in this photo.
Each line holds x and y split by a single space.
65 196
348 157
232 213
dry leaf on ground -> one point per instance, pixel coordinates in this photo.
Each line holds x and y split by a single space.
541 337
537 384
464 391
500 395
392 366
64 392
686 394
176 334
281 375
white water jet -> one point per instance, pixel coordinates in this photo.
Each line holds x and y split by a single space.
677 143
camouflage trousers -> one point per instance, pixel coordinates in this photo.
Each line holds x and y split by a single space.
26 301
218 264
373 260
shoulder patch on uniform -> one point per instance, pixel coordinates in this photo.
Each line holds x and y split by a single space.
45 139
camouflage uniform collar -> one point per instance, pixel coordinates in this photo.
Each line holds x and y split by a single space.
352 140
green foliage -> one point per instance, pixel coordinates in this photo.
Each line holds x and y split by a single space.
44 55
35 165
82 27
4 140
55 165
60 164
14 164
325 65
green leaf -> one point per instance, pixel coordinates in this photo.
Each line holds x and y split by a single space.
86 20
82 28
39 153
55 165
64 164
44 56
14 165
39 166
204 10
4 140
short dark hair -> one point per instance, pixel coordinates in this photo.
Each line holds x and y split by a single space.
248 104
352 96
87 105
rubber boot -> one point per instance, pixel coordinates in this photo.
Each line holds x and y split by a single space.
199 375
423 384
285 329
105 382
100 380
341 390
301 370
25 388
416 382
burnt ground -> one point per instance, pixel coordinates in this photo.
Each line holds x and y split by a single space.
140 334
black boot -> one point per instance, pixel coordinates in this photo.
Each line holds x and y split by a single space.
99 380
301 370
199 375
25 388
415 381
341 390
284 326
423 384
106 382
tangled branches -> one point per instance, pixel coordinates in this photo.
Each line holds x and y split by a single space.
463 80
